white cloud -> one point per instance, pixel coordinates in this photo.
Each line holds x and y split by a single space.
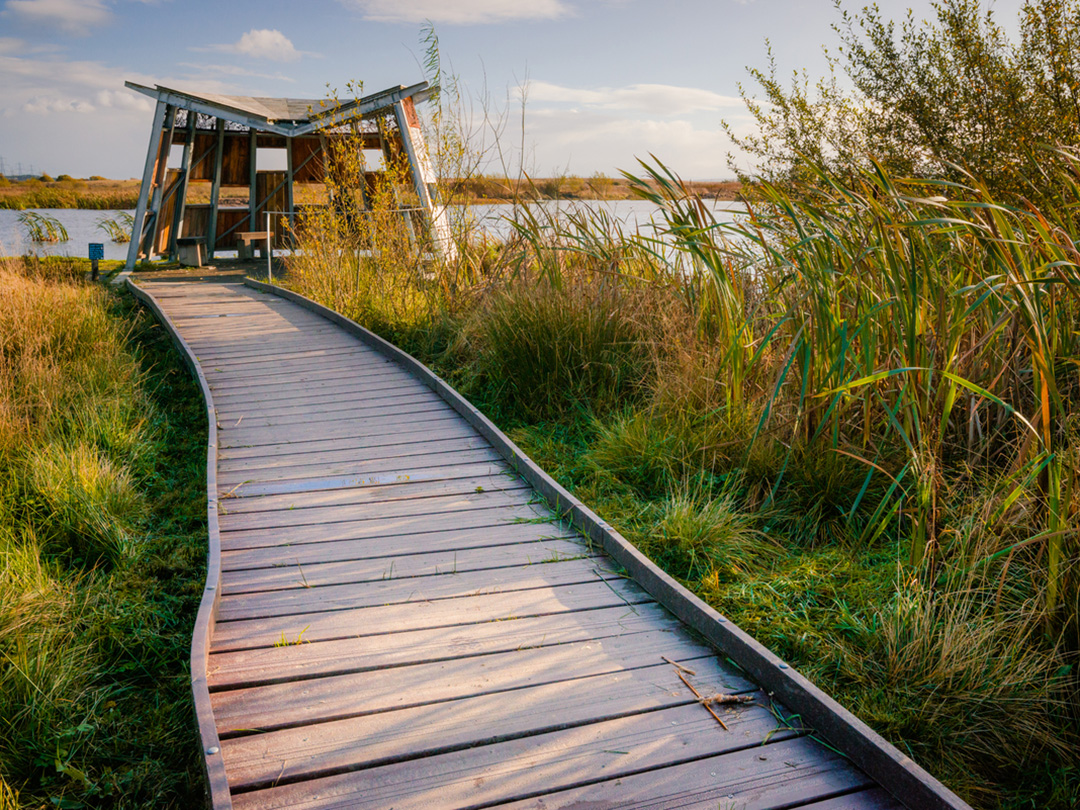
11 45
43 105
74 17
47 86
203 69
76 116
577 127
261 43
662 99
123 100
459 12
582 141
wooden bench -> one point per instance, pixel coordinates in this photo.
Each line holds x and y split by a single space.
247 241
189 251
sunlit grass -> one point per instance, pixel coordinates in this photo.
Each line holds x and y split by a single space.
845 419
101 545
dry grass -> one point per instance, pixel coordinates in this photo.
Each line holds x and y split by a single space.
850 380
94 618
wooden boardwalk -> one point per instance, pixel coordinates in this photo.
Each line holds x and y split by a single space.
402 622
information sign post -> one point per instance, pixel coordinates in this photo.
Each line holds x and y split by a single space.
97 252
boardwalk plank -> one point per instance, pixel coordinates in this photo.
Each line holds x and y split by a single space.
365 401
285 396
480 477
297 356
264 708
870 799
399 566
313 377
233 351
357 358
512 494
252 492
297 601
484 531
228 338
256 429
405 443
255 633
297 661
321 409
479 517
486 775
793 773
341 746
371 430
252 480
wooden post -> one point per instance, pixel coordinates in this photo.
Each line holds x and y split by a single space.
325 152
159 182
215 191
412 138
289 171
152 152
253 202
389 159
182 184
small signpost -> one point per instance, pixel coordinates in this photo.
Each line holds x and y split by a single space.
97 252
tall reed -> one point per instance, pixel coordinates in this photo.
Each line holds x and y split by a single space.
42 227
865 368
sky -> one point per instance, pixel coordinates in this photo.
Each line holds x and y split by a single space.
605 82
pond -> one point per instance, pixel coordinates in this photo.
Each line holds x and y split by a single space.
82 228
82 225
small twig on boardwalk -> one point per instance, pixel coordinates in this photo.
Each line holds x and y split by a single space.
702 700
601 578
301 569
229 494
727 700
687 670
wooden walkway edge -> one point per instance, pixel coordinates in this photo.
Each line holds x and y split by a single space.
249 601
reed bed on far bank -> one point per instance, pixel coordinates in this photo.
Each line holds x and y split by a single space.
102 195
102 519
846 419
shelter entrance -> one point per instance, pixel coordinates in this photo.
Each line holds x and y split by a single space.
234 146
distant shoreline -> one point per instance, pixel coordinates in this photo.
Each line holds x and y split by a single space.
100 194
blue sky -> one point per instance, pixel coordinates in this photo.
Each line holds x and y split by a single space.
607 80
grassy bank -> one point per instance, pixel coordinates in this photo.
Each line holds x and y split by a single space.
102 546
124 194
99 195
846 421
493 188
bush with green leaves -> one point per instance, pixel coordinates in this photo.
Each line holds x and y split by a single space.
946 97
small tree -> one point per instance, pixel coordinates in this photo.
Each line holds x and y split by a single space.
947 97
801 125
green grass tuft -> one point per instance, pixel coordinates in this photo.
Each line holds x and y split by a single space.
102 547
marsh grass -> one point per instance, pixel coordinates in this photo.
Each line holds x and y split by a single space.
98 194
697 535
102 538
550 350
118 228
42 227
844 419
